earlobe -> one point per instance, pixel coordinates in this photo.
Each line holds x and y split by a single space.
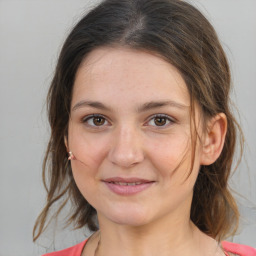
71 156
214 139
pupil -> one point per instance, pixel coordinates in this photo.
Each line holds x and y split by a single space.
160 121
98 121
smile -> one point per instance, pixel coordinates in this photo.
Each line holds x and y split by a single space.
127 184
125 187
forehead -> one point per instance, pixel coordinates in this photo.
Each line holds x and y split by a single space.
130 75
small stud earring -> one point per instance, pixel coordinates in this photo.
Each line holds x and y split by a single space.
71 156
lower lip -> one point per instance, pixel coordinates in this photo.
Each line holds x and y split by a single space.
128 190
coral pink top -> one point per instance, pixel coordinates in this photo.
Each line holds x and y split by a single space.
241 250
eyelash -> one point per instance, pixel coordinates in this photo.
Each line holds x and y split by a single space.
166 117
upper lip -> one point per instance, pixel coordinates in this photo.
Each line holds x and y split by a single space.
126 180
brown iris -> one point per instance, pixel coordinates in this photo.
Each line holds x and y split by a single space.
160 121
98 121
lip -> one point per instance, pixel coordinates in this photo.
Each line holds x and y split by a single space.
125 189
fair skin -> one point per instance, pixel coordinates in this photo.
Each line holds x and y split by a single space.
127 141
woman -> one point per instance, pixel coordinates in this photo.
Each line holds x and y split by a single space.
142 133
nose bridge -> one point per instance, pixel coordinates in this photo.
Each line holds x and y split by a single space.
126 148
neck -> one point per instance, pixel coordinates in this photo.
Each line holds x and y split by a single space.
162 239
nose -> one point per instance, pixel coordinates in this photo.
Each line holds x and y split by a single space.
126 148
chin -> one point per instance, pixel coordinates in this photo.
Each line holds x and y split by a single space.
129 221
130 217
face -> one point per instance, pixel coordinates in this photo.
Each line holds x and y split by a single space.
129 131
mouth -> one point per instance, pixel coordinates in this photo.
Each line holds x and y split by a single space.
127 183
127 186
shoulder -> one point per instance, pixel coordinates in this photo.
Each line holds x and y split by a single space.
75 250
238 249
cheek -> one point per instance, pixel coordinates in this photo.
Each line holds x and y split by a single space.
168 153
90 150
84 177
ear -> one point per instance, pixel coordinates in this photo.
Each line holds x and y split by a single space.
214 139
66 143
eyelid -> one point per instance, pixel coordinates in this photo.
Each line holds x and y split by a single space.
86 118
171 119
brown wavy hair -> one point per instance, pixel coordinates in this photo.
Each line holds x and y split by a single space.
177 32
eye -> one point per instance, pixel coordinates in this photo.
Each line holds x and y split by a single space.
95 120
161 120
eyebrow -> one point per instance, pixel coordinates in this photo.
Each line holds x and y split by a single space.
143 108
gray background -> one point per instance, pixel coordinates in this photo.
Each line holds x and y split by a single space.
31 34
